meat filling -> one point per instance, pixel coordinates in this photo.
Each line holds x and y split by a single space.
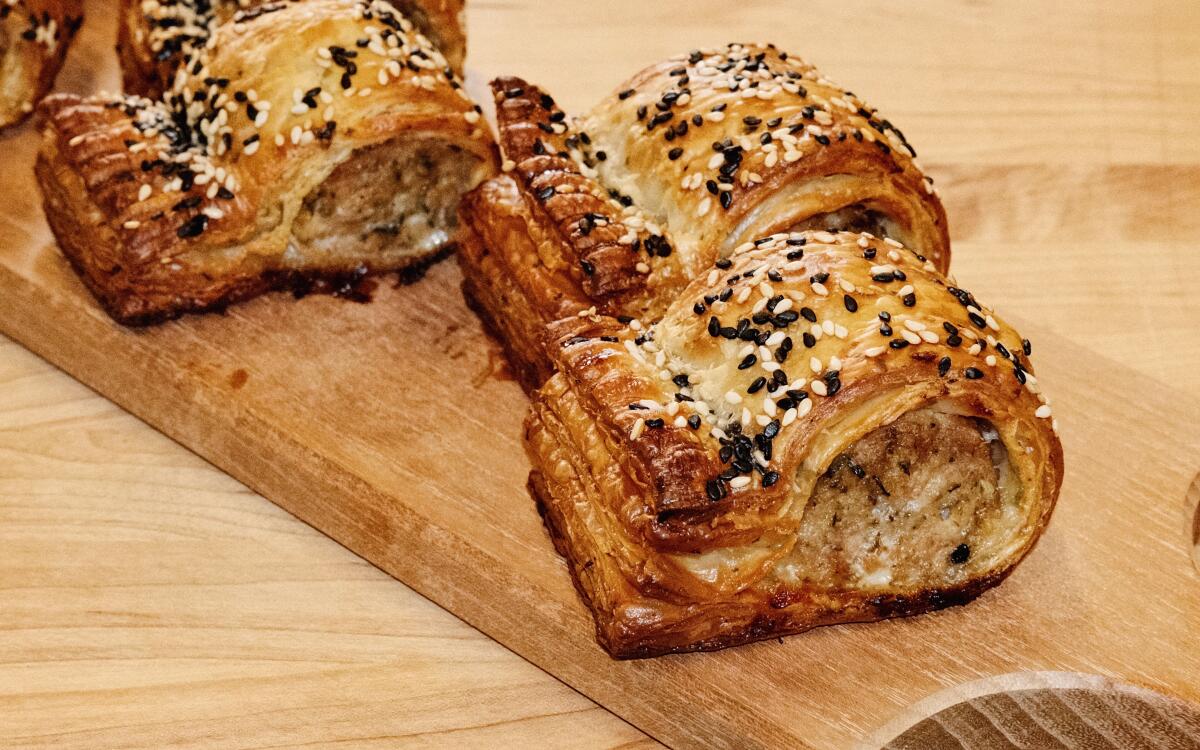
388 202
916 503
852 218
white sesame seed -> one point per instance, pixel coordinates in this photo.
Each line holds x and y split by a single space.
874 351
1043 411
910 337
144 192
804 407
733 397
638 428
739 482
818 387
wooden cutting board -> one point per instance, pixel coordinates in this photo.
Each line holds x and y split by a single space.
389 427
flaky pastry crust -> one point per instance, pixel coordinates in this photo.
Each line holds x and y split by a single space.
680 164
34 38
154 37
274 156
687 468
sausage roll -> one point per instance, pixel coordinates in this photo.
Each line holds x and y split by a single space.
156 36
287 150
34 36
820 429
678 166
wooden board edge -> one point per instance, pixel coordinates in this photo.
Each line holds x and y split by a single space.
297 478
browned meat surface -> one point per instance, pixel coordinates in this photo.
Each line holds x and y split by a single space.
911 505
389 201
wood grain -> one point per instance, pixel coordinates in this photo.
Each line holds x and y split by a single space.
1046 711
1062 139
148 600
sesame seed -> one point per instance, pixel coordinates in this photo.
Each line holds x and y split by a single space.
638 428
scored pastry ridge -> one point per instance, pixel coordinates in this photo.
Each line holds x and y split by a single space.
339 143
693 471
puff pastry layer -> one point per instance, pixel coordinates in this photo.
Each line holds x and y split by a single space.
156 36
34 37
324 138
820 429
683 162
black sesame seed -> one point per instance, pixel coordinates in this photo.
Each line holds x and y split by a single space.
655 424
898 343
675 153
699 308
850 302
193 227
714 327
943 366
747 362
954 340
770 478
757 385
808 314
587 267
694 421
1026 347
909 300
960 555
715 489
973 373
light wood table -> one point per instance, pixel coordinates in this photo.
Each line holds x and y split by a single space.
147 600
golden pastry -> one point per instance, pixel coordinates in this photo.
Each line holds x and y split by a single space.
286 150
820 429
34 37
680 164
155 36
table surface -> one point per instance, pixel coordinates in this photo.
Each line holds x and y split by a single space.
146 599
